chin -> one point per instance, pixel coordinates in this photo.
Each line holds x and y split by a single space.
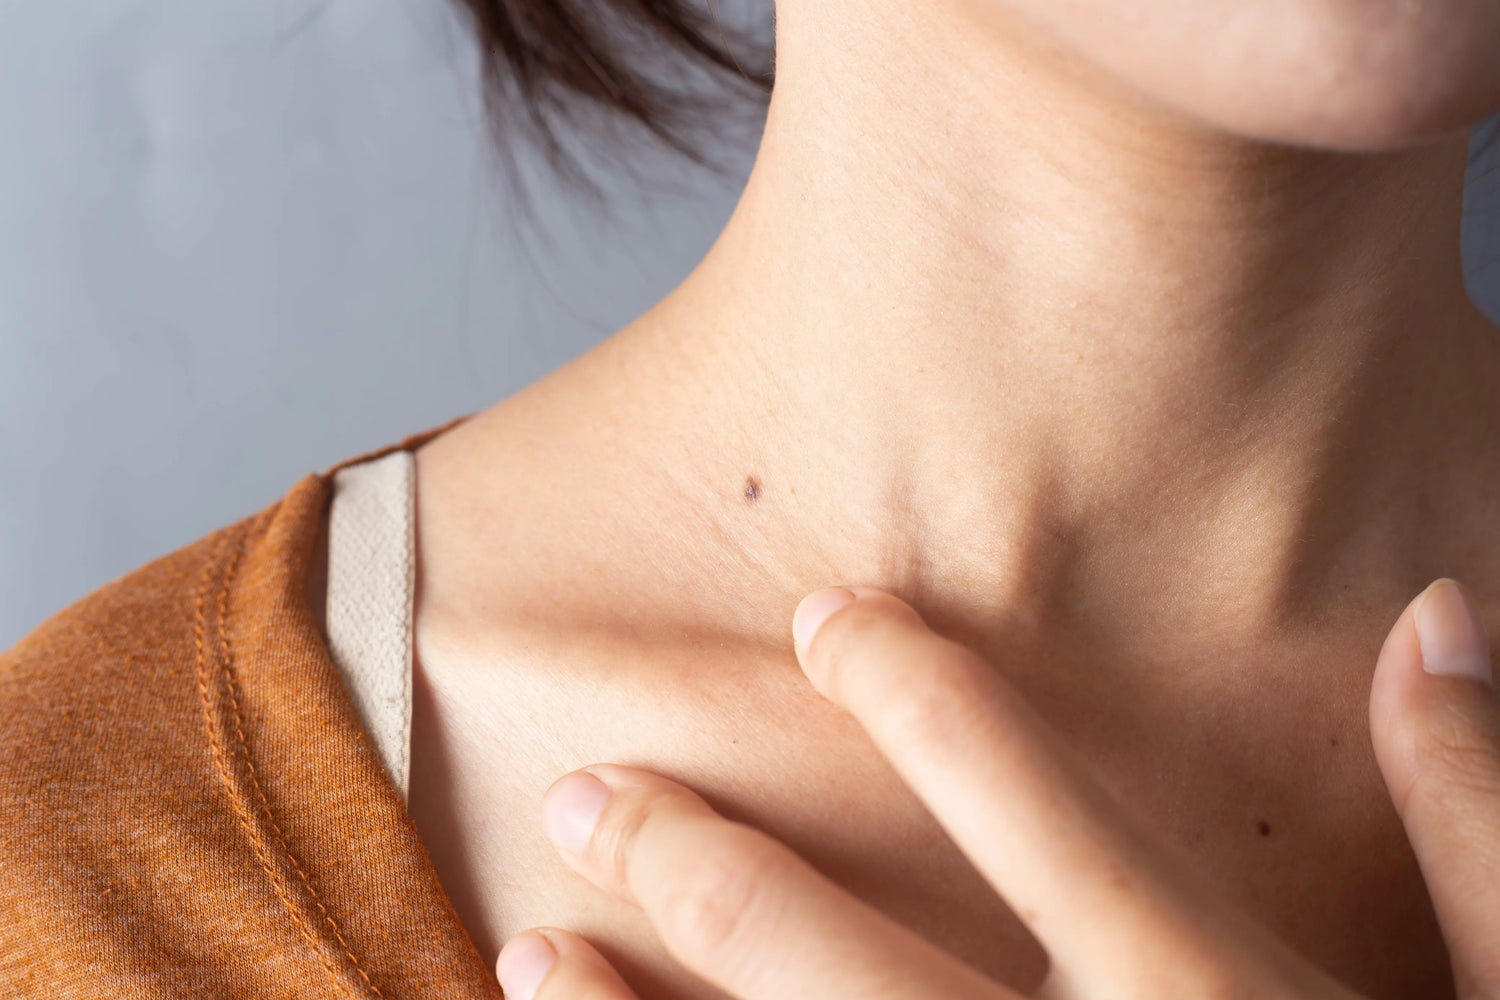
1370 124
1359 75
1369 75
1359 103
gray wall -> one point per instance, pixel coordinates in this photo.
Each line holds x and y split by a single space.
240 240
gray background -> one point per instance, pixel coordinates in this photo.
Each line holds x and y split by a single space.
243 239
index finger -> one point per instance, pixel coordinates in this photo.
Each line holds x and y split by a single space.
1107 903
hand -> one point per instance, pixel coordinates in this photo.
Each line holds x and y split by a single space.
1115 912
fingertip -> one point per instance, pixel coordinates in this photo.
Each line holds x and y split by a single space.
813 610
568 945
523 963
1450 634
1397 665
571 808
1437 741
1421 684
576 967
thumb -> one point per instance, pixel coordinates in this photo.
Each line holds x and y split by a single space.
1435 724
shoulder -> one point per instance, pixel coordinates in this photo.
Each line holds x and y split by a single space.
77 685
186 793
110 803
141 815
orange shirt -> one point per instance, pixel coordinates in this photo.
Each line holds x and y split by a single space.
189 806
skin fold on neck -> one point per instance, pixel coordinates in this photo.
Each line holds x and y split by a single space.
1002 333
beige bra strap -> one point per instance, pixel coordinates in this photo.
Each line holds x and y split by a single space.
371 583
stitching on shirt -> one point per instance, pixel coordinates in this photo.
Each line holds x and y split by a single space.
234 696
216 743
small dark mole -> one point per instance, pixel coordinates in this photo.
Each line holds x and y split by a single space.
1333 741
752 489
1264 828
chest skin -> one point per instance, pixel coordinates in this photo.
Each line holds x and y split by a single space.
1270 786
561 620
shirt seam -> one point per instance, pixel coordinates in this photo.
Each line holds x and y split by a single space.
225 677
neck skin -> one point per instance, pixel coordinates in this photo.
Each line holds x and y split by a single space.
995 334
1128 405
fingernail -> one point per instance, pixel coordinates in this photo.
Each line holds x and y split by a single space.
524 962
571 808
1450 633
812 611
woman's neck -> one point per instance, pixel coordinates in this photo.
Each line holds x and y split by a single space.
991 334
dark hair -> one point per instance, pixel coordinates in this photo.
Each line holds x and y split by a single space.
561 71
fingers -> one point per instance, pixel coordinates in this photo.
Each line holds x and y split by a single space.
736 906
1435 723
552 964
1108 905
